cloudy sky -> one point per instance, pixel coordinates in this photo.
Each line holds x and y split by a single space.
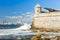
14 10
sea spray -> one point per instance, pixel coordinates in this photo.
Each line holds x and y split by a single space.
24 28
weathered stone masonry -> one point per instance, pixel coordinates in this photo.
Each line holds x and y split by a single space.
48 21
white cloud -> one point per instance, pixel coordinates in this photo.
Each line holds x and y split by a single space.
28 13
23 14
26 17
13 17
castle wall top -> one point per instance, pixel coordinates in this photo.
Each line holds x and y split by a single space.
52 14
38 8
37 5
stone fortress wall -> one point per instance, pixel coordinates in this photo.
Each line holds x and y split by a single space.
48 21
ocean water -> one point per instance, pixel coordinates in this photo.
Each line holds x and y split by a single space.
15 31
10 26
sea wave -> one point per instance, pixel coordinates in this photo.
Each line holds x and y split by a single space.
19 29
9 33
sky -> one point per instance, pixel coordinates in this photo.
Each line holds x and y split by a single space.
14 10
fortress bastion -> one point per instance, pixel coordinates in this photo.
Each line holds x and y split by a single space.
46 21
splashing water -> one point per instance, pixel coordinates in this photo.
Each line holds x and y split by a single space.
20 32
25 28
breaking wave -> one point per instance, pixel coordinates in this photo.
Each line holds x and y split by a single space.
24 28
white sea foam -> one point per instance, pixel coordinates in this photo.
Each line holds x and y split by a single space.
22 29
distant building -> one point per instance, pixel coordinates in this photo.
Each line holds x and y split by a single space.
46 21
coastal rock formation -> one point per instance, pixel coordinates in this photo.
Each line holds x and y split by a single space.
36 37
45 37
46 21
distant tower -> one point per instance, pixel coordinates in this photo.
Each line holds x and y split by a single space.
37 9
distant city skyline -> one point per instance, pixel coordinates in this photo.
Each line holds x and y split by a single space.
13 10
